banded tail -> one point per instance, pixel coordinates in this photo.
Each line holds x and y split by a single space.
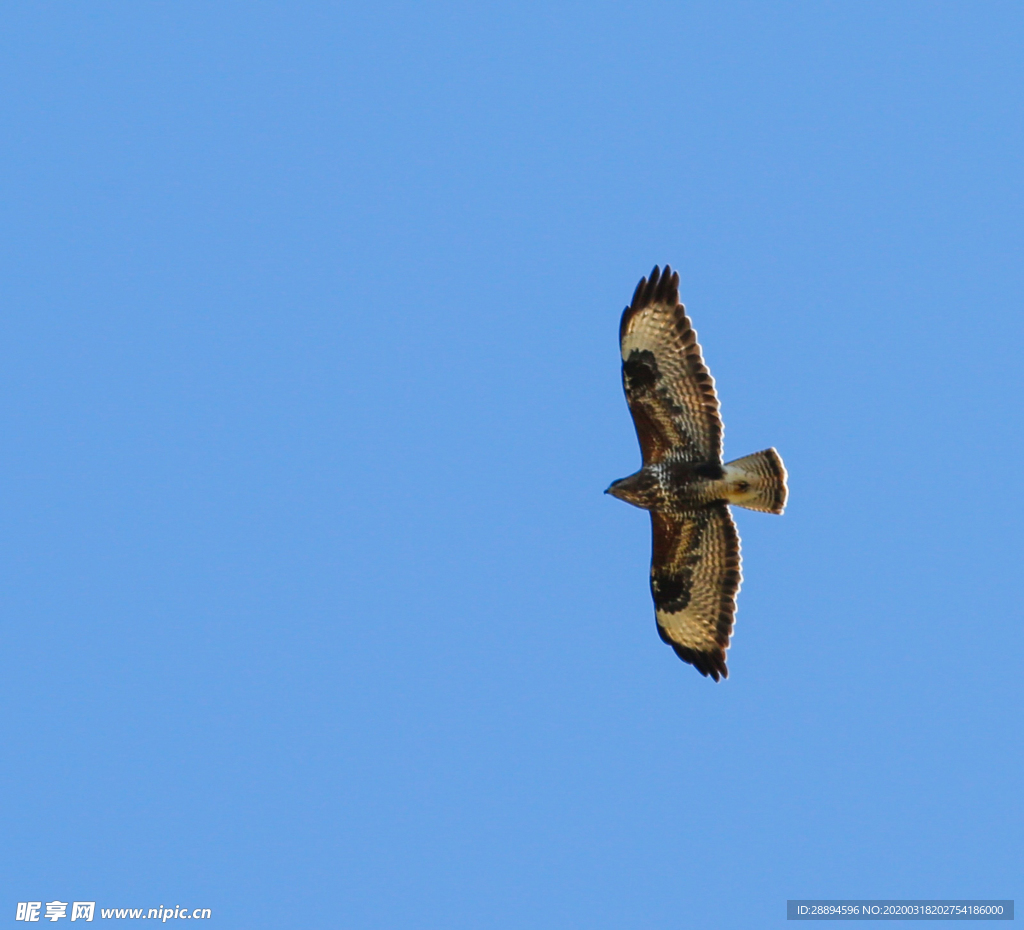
757 482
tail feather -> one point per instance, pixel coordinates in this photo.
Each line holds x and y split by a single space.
758 482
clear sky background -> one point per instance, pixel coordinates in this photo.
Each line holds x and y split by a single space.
314 611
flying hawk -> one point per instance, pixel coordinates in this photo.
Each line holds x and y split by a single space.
695 564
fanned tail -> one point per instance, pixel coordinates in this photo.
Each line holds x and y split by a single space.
758 482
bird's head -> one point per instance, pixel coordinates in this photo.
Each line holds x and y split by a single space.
638 489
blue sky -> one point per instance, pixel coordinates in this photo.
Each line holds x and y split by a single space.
314 612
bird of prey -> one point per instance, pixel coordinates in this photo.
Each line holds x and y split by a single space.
695 564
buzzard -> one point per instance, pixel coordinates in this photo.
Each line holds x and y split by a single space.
695 563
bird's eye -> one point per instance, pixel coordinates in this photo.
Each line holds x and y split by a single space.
742 486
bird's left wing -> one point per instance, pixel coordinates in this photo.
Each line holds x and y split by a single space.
695 574
670 392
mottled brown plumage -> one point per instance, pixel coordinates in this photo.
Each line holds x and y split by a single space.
695 562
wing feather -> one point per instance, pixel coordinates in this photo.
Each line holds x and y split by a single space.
695 576
670 392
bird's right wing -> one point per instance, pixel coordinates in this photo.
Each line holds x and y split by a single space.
695 575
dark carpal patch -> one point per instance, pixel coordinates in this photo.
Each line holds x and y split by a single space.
640 370
671 592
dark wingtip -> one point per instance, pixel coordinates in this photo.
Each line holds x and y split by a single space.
645 289
709 664
667 291
660 287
